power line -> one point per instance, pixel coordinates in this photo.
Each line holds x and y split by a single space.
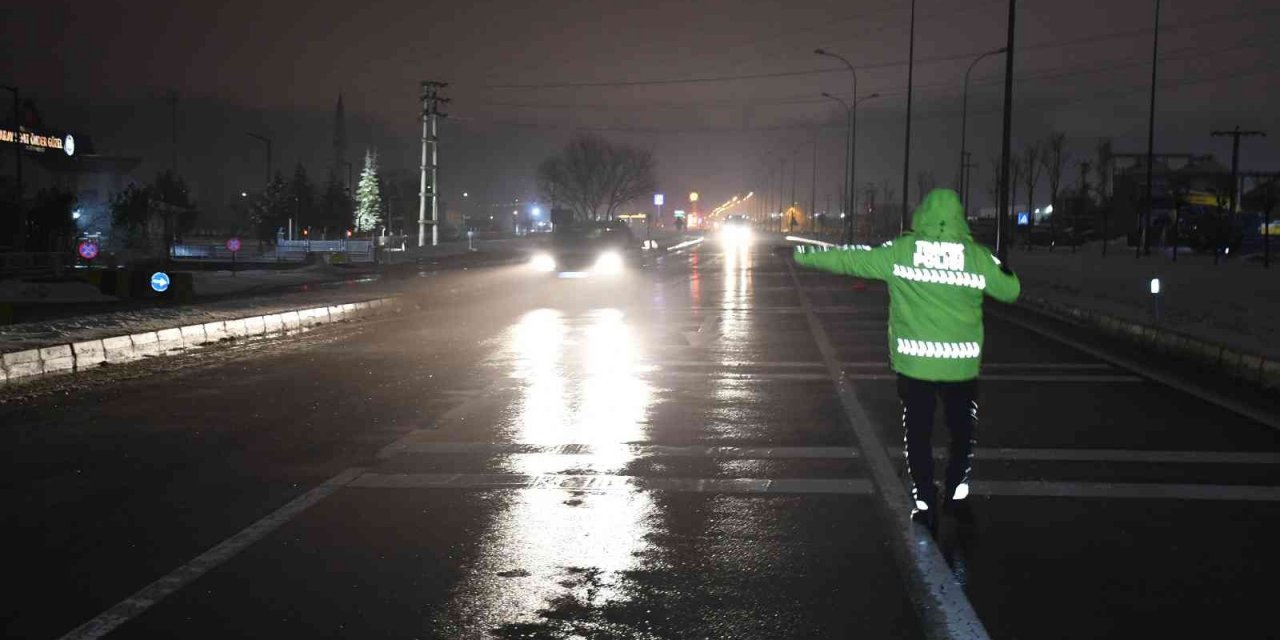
1127 33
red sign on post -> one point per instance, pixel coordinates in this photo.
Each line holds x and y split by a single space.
87 249
233 244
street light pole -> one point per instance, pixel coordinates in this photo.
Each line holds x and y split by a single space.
964 119
906 145
853 139
21 239
848 172
1002 249
1145 223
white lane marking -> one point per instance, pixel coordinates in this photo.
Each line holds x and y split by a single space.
944 609
1114 455
1128 490
153 593
427 447
744 375
605 483
998 366
684 245
470 401
731 364
998 377
750 453
1206 395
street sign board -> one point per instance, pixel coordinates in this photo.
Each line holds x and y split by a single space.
159 282
87 249
233 244
658 199
1024 218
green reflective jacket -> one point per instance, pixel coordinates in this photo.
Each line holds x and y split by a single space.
937 276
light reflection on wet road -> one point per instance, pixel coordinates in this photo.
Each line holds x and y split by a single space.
659 456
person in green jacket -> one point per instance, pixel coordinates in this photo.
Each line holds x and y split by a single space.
937 277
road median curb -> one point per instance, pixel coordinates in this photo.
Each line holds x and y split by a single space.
1249 367
87 354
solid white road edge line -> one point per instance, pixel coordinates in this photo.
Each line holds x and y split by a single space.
153 593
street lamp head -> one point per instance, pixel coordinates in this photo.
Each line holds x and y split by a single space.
821 52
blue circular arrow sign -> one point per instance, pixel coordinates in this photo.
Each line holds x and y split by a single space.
159 282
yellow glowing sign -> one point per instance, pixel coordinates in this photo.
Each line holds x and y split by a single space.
27 138
693 197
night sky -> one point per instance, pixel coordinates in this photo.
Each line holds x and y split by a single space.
667 75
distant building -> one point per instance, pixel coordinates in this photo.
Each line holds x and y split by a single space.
60 159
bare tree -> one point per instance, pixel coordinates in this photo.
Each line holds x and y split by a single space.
1053 158
925 182
993 187
886 196
595 177
1031 173
1015 176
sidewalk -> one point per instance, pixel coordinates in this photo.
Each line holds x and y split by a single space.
1235 303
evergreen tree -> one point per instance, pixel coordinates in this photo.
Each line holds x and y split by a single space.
368 196
271 209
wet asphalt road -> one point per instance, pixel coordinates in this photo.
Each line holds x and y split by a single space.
663 455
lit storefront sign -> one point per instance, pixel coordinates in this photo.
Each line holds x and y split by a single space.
39 141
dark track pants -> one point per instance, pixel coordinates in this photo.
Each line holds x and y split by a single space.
960 409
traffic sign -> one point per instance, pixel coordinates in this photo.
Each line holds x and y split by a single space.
87 249
1024 219
233 244
159 282
658 199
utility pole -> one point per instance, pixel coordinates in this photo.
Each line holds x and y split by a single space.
1235 171
1144 244
906 146
1002 216
431 101
20 241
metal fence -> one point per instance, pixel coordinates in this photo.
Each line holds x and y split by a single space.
283 251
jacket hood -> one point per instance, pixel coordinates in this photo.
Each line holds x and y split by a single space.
941 217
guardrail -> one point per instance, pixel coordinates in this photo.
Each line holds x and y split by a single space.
283 251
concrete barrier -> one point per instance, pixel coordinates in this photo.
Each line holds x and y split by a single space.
79 356
145 344
236 328
1244 366
215 331
193 336
119 349
272 324
58 358
290 321
22 363
89 353
254 326
168 340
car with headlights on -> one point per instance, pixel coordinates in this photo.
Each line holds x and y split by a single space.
588 249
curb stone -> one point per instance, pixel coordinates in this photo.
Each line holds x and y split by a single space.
87 354
1249 367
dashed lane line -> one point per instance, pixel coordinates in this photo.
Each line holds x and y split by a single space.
153 593
410 445
611 483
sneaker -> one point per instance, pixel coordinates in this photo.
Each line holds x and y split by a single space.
958 504
924 515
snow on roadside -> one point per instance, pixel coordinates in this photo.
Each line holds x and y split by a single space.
1235 303
30 335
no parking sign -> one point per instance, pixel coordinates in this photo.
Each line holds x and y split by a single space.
233 245
87 249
